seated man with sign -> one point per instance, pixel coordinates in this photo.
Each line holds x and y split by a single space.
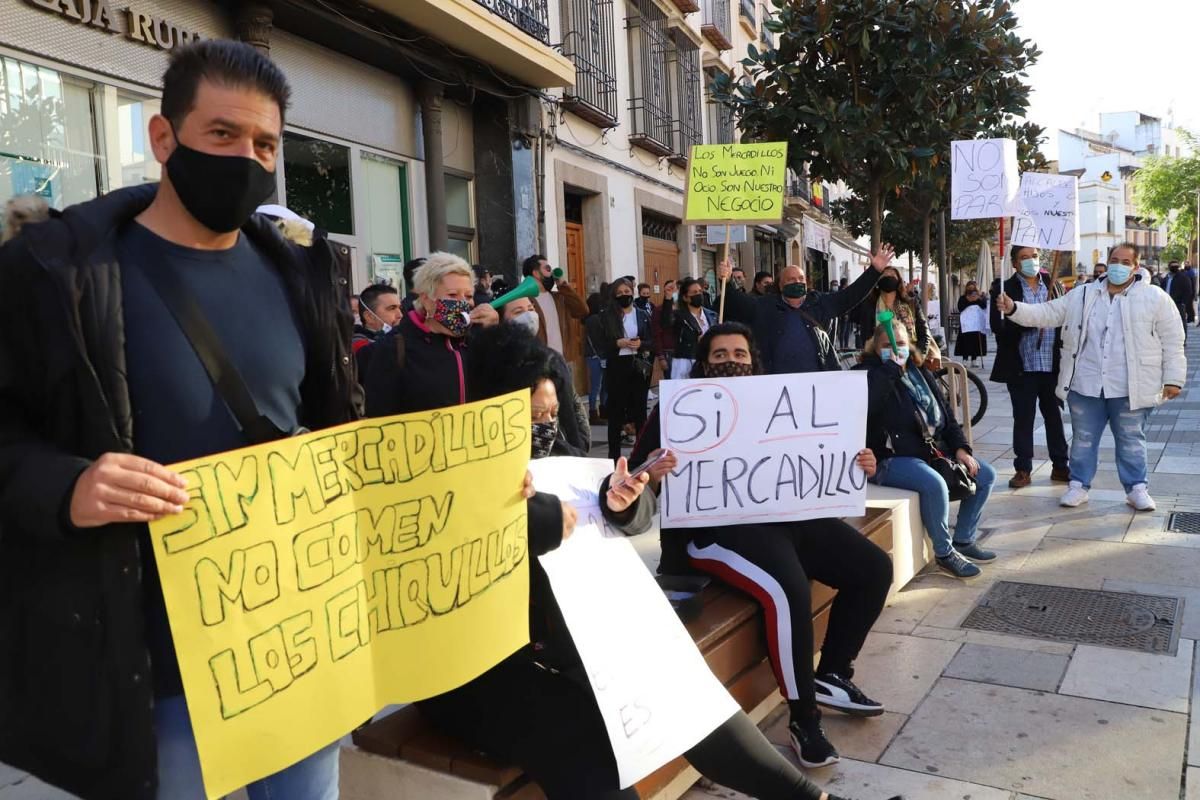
536 708
773 562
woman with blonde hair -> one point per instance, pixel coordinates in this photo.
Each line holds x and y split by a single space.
421 363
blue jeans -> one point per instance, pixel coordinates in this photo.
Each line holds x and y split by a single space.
904 472
314 778
1089 415
596 396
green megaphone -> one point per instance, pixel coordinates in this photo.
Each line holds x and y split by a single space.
885 318
527 288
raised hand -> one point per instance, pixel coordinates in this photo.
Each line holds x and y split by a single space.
883 257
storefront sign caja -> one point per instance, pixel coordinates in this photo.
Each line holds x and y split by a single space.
135 25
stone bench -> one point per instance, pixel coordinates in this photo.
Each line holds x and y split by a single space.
401 757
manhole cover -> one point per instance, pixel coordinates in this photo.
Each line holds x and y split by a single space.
1184 522
1082 616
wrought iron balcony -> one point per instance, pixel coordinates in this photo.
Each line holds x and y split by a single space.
588 40
688 129
720 123
530 16
650 94
717 26
747 11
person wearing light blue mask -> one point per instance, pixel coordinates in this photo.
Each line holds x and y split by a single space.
906 411
1027 360
1124 344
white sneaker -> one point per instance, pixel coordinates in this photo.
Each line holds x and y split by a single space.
1075 496
1140 499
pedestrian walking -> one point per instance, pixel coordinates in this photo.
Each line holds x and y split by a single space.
1178 285
102 391
1028 361
1123 356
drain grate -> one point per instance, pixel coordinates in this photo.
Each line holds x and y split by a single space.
1184 522
1081 616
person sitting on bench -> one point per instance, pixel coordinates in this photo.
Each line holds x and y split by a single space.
536 709
773 563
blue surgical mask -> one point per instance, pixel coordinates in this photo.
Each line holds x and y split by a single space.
1118 274
901 351
1029 267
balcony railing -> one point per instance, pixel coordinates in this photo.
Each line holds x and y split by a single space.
530 16
650 104
719 116
716 25
747 12
688 123
798 187
588 40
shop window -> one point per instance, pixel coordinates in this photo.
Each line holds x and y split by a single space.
460 217
48 143
317 182
134 156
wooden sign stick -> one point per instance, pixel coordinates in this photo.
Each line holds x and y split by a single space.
724 281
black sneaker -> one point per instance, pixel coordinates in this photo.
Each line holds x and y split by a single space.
974 552
958 566
834 691
810 744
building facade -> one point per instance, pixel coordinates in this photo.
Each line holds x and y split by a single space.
1105 161
411 128
617 141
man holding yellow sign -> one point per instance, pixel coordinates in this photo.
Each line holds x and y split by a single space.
163 324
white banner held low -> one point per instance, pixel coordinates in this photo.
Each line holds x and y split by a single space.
983 179
768 448
656 694
1049 215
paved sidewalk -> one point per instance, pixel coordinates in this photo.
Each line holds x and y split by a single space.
998 717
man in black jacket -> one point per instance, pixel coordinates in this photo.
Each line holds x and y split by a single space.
99 387
1027 360
791 327
1179 285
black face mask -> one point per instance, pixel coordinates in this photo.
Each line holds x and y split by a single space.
548 282
625 300
221 192
888 283
794 290
643 302
696 301
1174 268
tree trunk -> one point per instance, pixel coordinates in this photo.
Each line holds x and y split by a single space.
875 201
926 221
911 275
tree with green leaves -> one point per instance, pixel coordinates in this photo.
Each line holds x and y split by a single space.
1165 191
872 91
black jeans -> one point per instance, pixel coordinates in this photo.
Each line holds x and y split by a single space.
548 723
774 563
626 400
1028 393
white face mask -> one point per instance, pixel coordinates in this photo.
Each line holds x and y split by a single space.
528 320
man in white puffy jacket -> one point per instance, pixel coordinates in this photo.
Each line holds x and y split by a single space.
1122 356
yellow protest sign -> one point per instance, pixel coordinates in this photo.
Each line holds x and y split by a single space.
314 580
736 183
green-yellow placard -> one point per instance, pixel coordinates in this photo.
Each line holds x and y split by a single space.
736 183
